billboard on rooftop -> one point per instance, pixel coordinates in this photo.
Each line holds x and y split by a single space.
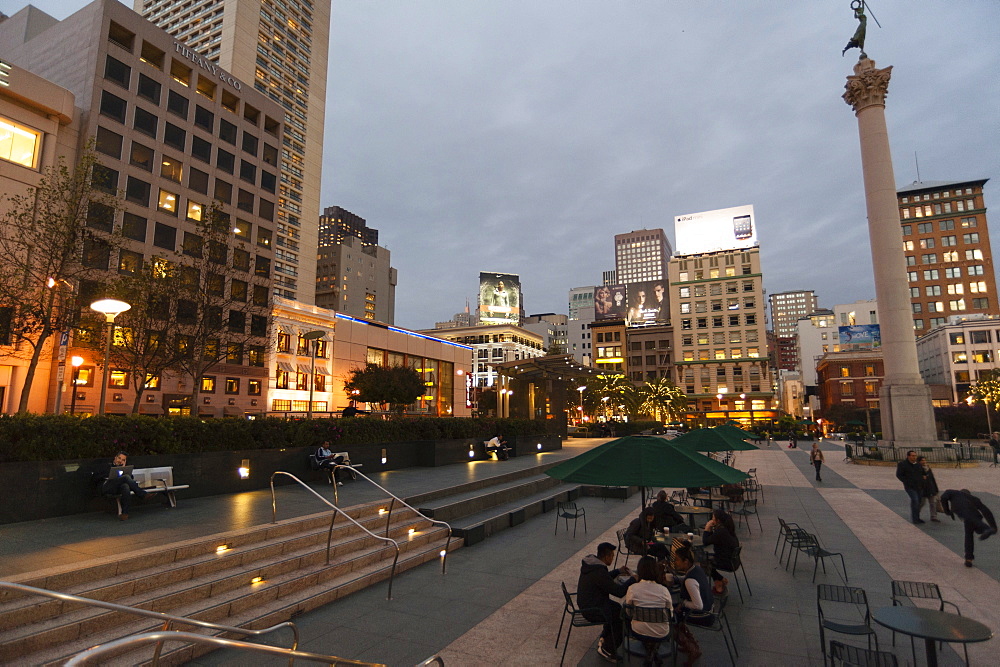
713 231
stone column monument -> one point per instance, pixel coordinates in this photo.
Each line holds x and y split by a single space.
905 401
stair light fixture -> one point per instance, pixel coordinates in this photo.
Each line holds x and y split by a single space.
222 548
539 446
384 459
381 511
472 450
244 469
411 531
443 553
257 580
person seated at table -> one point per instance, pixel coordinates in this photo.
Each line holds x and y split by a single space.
696 602
666 515
648 592
720 533
640 538
734 492
594 589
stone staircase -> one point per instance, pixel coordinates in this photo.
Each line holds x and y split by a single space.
196 579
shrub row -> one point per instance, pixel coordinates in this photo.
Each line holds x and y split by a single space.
58 437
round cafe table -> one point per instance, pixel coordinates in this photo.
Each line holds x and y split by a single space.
710 498
932 626
692 511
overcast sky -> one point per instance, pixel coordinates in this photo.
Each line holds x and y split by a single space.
520 136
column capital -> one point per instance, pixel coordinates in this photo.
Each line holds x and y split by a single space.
868 86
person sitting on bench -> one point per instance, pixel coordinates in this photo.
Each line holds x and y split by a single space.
327 461
498 447
118 483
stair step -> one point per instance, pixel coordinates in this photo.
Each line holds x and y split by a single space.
481 500
28 609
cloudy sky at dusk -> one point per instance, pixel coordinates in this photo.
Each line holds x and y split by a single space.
519 136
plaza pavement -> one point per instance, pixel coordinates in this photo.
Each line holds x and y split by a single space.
500 604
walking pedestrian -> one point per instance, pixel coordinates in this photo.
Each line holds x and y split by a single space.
911 475
816 456
972 511
929 493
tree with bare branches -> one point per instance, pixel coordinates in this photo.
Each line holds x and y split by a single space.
52 238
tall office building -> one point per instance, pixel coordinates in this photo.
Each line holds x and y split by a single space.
720 342
947 247
641 256
353 272
171 134
281 46
787 308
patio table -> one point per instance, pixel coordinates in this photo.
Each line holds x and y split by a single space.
932 626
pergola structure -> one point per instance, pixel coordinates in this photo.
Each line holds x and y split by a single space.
539 388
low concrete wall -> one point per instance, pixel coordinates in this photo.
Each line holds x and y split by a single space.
46 489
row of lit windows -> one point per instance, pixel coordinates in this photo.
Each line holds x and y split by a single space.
717 305
956 305
847 388
943 225
946 241
726 272
734 321
928 210
976 356
719 337
951 272
936 195
734 353
285 405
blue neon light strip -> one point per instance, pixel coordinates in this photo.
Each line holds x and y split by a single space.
402 331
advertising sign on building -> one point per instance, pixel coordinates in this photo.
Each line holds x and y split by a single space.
860 337
610 302
499 298
647 303
712 231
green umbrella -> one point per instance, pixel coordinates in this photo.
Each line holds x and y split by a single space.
711 440
729 429
645 461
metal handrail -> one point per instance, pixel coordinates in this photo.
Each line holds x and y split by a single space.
388 519
168 619
93 655
433 660
336 510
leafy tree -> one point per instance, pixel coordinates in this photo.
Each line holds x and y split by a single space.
52 238
605 393
662 399
395 386
487 401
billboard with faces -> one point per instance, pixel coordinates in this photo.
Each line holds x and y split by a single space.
499 298
647 303
610 302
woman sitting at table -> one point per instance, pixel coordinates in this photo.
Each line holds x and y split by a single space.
648 592
640 536
696 594
720 532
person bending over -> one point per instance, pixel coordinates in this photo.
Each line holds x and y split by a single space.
972 511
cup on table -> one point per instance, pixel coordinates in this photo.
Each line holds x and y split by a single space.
691 536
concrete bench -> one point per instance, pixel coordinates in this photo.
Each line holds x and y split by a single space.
155 480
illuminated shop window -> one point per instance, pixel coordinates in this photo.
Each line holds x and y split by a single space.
18 144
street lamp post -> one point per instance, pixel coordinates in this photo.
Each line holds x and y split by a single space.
581 389
76 363
110 308
743 397
313 336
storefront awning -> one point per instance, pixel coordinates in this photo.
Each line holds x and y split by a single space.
304 368
285 366
150 409
232 411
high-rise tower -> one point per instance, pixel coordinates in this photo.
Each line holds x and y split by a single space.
282 47
641 256
787 308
